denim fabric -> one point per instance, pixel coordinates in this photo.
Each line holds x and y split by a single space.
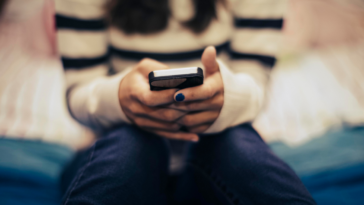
130 166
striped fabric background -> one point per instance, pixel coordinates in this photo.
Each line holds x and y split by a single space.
32 81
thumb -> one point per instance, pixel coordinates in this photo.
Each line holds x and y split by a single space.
209 61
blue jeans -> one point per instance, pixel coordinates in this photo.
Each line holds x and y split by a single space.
130 166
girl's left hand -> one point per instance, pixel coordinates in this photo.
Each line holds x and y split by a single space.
203 103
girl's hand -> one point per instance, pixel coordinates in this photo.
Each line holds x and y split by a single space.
144 107
203 103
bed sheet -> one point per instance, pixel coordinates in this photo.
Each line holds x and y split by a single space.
331 166
30 171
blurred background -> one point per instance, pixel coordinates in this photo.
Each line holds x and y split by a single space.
313 117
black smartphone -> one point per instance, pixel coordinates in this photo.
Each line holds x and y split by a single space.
175 78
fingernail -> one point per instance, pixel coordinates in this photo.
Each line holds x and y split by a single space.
180 97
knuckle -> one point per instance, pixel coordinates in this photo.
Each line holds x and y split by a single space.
177 127
166 135
143 64
167 115
221 100
174 136
191 106
192 130
134 94
146 100
199 129
129 116
174 127
139 121
187 121
133 108
171 115
217 102
190 95
182 106
145 61
164 66
209 92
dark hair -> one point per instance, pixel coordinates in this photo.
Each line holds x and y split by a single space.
2 6
150 16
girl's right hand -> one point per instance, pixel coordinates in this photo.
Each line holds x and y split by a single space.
148 109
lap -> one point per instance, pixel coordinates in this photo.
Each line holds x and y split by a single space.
241 169
117 165
231 167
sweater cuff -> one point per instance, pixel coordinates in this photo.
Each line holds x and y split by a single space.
97 104
242 100
109 109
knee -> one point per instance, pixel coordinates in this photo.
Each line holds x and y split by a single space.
124 165
241 136
130 149
133 140
241 141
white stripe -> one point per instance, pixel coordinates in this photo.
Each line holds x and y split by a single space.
260 9
79 44
253 68
85 9
257 41
74 76
120 64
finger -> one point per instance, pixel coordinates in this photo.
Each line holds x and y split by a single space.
209 62
192 120
166 114
143 94
214 103
155 113
210 88
178 135
146 123
156 98
199 129
148 65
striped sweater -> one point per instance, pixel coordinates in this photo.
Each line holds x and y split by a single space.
246 33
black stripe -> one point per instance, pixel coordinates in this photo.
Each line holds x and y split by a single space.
259 23
83 62
180 56
266 60
64 22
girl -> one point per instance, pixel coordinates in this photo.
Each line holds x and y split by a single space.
228 163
